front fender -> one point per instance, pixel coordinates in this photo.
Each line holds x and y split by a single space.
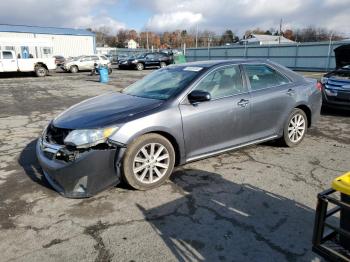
166 121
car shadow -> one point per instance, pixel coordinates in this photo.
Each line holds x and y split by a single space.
333 111
218 220
29 162
17 75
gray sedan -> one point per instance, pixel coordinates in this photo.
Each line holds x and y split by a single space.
174 115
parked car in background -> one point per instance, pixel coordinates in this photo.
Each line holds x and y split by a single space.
122 57
84 63
175 115
40 66
336 88
147 60
59 60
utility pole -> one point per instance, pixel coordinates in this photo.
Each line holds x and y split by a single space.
147 40
197 36
209 40
279 38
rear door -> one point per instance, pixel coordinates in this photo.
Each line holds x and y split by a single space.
273 96
9 62
220 123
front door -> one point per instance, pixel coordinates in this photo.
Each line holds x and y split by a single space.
220 123
272 98
150 60
9 62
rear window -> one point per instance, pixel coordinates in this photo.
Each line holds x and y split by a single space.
263 76
7 55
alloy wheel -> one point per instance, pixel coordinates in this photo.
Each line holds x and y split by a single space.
296 128
151 163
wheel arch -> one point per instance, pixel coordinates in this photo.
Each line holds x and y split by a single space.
74 65
41 64
307 112
173 142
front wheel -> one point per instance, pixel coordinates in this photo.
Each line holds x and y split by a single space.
73 69
148 162
162 64
295 128
140 66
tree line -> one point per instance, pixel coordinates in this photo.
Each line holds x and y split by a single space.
205 38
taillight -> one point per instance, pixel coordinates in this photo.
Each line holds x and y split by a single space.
319 86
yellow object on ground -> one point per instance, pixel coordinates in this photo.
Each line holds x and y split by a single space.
342 184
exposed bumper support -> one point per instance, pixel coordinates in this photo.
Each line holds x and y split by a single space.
89 173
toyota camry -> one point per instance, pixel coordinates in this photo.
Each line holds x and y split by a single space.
174 115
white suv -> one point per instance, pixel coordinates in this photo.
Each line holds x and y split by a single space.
82 63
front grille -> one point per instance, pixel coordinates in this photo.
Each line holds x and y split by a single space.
55 135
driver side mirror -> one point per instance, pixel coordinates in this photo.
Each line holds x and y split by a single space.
197 96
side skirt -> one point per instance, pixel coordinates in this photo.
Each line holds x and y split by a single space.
230 148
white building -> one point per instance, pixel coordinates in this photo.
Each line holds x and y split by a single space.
132 44
47 41
260 39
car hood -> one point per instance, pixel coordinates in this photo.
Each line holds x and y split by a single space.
104 110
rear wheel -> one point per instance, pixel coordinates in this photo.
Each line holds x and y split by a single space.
40 71
73 69
295 128
148 162
140 66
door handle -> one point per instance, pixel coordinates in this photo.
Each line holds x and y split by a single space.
290 92
243 102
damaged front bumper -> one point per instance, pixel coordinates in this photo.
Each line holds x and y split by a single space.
79 174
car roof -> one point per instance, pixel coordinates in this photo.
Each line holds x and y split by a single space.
212 63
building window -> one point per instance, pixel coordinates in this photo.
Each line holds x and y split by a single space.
46 50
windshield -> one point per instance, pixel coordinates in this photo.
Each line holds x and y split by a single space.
163 83
139 56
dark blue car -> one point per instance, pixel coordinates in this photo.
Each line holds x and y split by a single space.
336 88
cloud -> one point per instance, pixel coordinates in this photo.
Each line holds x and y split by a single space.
173 21
62 13
240 15
237 15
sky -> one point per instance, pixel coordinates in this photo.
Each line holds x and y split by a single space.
167 15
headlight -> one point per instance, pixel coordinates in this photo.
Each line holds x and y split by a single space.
89 137
134 61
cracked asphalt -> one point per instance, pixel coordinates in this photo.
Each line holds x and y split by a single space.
252 204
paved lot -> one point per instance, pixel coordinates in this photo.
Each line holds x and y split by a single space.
253 204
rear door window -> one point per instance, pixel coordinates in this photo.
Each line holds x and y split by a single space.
262 76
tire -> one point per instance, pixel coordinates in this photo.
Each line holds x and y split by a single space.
137 166
109 71
162 64
40 71
293 134
74 69
140 66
